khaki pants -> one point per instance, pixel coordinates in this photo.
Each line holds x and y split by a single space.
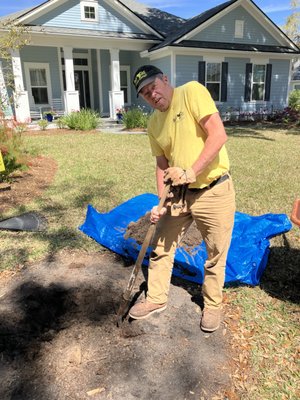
213 211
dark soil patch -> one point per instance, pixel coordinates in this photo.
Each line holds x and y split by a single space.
59 339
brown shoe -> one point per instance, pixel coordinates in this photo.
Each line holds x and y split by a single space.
144 309
211 319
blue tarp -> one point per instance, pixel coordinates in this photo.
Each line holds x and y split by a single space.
248 253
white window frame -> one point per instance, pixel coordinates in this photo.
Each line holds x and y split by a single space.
28 66
89 3
264 82
126 68
239 29
220 81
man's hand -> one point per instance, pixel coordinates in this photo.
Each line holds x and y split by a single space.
155 215
179 176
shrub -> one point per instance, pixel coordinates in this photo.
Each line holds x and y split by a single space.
286 116
60 122
82 120
12 148
43 123
294 100
136 118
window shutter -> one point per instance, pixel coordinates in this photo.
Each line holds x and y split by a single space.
224 81
268 82
201 72
248 76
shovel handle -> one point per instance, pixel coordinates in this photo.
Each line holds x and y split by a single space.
140 258
164 196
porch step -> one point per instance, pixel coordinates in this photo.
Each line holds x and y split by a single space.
108 124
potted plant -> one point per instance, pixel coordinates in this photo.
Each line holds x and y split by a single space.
119 114
49 115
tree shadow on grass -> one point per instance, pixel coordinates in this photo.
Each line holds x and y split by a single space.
247 133
281 278
257 131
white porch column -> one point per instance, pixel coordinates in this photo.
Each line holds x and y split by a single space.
116 96
115 70
71 96
21 101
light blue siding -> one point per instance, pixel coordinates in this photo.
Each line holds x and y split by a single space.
136 62
164 64
279 87
236 82
37 54
187 69
223 30
68 15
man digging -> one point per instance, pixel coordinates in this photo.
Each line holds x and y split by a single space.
187 138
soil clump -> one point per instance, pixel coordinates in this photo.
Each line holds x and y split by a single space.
137 230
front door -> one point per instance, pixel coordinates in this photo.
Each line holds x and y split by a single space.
82 84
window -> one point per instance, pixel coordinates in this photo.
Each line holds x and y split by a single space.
38 83
89 10
258 82
213 79
39 88
125 83
76 61
214 75
239 29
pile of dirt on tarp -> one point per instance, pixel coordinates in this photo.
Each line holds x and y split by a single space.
138 230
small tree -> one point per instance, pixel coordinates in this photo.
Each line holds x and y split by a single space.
292 24
294 100
13 36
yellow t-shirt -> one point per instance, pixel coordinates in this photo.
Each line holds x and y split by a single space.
177 135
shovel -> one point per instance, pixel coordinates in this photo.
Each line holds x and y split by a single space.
138 264
30 221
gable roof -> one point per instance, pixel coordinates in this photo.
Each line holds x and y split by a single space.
174 31
178 38
162 22
191 24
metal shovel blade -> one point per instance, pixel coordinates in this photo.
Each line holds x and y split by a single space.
30 221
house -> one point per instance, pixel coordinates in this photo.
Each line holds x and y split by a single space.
83 53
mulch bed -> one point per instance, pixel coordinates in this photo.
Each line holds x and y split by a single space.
26 186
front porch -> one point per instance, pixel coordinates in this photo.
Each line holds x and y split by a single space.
60 85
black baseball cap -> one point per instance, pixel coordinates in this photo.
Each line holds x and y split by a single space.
144 75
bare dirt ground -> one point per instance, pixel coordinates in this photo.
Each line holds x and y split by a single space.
59 339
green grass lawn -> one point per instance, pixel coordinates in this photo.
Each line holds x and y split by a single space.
106 169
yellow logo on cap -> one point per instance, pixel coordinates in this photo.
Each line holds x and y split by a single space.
139 77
